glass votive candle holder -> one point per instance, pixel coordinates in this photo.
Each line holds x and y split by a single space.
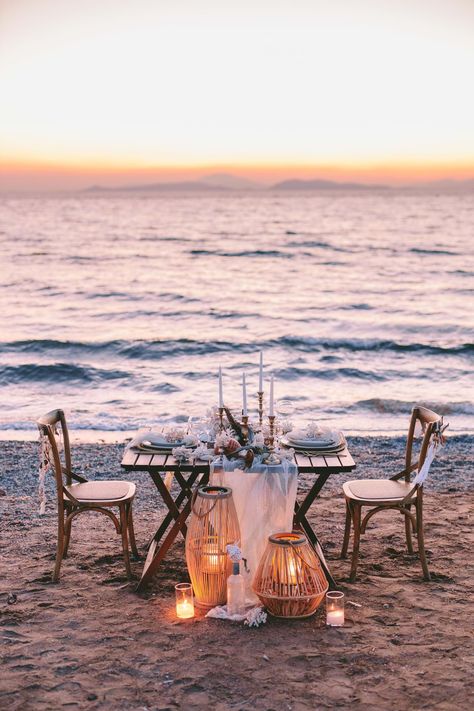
335 608
184 600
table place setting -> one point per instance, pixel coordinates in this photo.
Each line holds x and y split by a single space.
255 454
314 440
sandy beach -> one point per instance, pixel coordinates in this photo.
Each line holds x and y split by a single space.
90 642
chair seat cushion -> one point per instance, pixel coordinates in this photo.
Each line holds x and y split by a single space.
112 490
377 489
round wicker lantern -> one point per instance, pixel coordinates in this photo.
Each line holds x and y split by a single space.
213 525
289 580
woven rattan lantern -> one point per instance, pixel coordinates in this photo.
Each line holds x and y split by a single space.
289 580
212 527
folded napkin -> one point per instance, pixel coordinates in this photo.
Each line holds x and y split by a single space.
326 438
155 440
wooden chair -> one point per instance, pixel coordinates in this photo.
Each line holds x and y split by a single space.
395 493
75 498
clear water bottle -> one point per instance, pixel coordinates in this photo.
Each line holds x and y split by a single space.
235 591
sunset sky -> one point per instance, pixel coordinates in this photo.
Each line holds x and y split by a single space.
118 90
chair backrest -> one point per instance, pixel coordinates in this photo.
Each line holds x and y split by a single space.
53 429
431 425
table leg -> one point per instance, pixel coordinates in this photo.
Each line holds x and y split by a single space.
300 521
156 554
173 504
159 553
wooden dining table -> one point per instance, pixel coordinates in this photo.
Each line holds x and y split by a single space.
190 475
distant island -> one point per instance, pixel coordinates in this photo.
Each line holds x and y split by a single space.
227 182
152 187
324 185
230 182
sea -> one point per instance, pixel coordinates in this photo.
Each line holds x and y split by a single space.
120 307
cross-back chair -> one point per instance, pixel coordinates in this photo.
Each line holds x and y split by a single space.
76 495
398 492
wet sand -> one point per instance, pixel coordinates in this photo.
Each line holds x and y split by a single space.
90 642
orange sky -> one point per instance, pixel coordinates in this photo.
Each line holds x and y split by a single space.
118 92
72 177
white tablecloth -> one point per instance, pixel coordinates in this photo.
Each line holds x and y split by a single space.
264 498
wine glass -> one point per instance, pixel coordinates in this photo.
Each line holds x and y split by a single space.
198 426
284 409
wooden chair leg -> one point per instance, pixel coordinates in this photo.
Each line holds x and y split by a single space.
67 538
131 533
59 551
347 532
408 525
421 538
123 531
356 516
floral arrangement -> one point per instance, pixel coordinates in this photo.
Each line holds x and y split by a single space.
186 454
174 433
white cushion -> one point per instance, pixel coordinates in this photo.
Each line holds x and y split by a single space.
377 489
112 490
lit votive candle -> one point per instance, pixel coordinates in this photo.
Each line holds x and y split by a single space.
211 560
184 601
335 608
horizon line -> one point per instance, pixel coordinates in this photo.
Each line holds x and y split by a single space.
48 176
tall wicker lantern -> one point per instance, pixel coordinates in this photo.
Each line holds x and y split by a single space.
289 580
212 527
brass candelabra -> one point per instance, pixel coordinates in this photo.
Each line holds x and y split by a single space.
245 429
272 458
260 408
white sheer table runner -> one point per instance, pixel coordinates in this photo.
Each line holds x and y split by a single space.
264 498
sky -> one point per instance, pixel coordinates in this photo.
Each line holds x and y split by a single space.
118 90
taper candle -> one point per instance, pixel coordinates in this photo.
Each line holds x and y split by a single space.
271 411
221 396
244 396
260 377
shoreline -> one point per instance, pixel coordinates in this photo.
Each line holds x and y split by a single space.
375 457
88 436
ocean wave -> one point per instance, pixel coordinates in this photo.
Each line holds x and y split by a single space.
156 349
329 374
242 253
418 250
317 244
383 406
57 373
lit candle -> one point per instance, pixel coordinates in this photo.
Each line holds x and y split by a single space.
184 601
271 410
221 396
293 572
244 395
335 608
211 562
335 618
260 377
185 609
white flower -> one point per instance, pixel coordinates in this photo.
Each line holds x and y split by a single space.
256 617
313 430
190 440
234 552
203 453
259 439
174 434
286 426
286 454
181 454
222 439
